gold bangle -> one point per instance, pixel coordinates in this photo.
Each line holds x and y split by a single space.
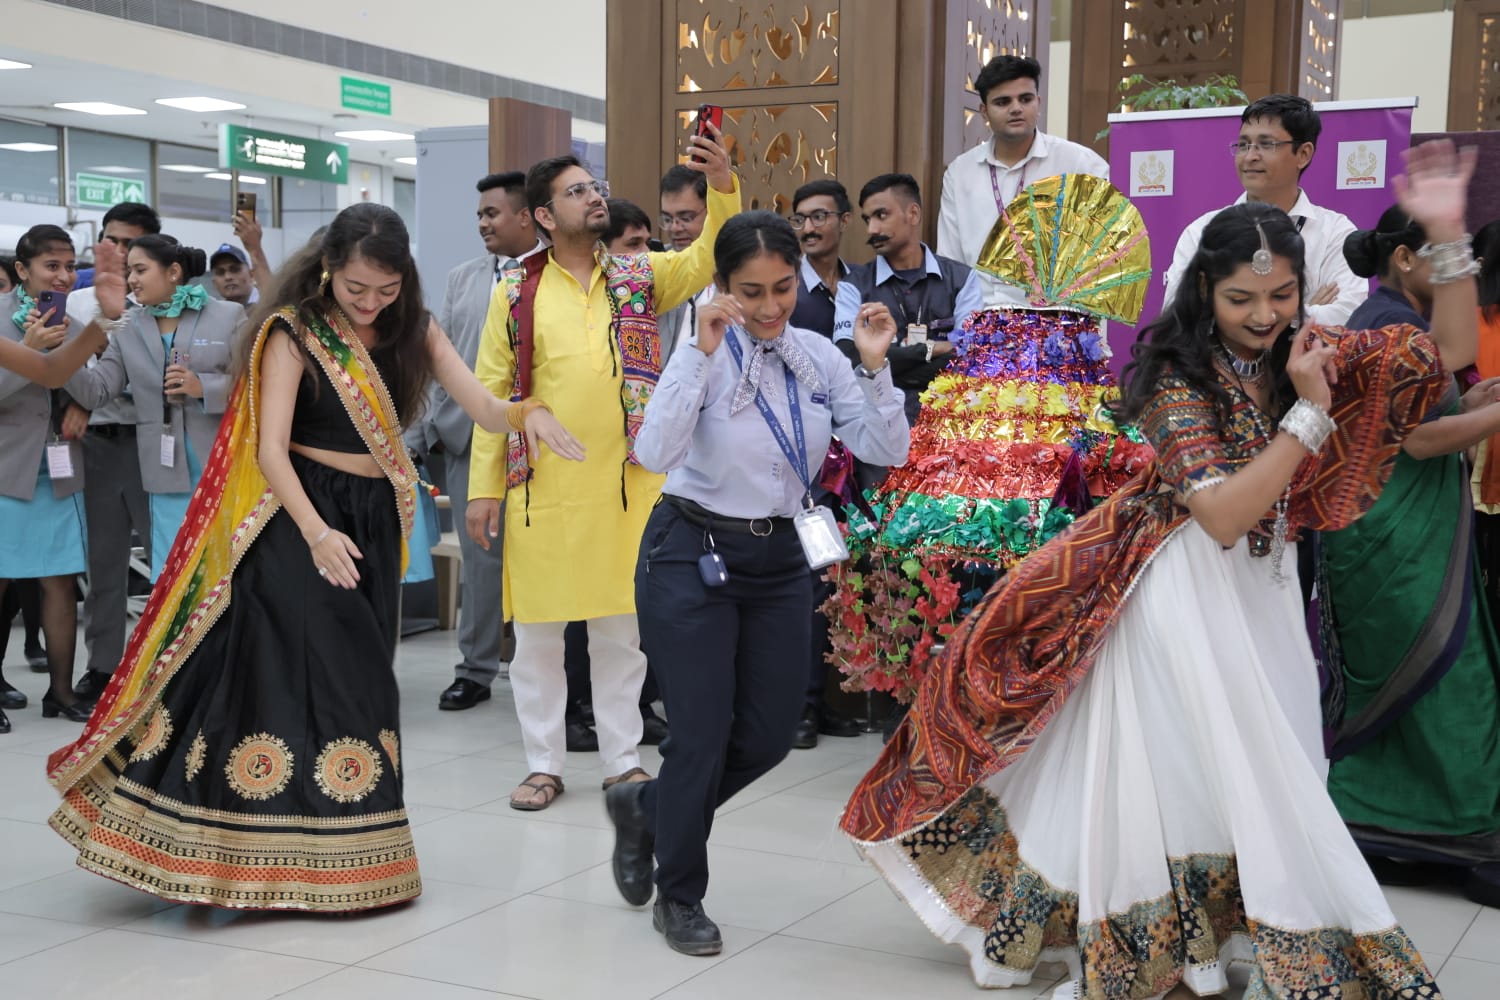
516 415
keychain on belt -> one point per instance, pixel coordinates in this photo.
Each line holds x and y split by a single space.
817 529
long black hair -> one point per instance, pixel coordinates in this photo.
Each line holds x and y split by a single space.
750 234
1369 251
1182 338
166 251
376 234
1487 248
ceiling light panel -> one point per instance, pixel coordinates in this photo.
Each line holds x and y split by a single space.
12 64
98 108
28 147
202 105
374 135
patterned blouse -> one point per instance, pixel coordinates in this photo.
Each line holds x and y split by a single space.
1193 452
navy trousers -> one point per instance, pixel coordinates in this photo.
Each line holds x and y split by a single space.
732 665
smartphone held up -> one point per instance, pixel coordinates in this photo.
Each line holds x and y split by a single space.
244 204
708 114
53 306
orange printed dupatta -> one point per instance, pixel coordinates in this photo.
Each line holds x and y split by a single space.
231 505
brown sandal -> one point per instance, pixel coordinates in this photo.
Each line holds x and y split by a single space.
550 790
632 776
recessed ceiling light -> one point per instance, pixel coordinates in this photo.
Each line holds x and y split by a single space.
98 108
28 147
186 168
12 64
113 169
375 135
221 176
200 104
410 161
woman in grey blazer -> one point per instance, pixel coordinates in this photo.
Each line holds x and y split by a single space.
41 475
173 357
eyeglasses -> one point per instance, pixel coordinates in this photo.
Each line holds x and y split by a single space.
1265 147
818 217
583 188
668 220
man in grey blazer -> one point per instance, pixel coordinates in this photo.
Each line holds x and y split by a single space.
506 228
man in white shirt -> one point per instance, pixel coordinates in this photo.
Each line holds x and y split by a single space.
684 209
1278 136
980 182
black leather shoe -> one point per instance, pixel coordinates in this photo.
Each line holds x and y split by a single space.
461 694
807 730
580 738
36 659
687 927
635 845
653 729
10 697
4 723
91 685
79 711
837 725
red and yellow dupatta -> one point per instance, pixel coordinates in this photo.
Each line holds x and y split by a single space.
231 505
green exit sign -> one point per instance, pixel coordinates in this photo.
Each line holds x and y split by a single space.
101 191
256 149
365 95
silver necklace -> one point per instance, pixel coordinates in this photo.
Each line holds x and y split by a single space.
1247 371
1280 528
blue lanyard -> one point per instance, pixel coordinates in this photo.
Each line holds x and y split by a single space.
798 457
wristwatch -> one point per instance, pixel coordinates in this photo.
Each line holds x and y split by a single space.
929 352
864 372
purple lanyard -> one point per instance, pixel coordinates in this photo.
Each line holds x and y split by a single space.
995 186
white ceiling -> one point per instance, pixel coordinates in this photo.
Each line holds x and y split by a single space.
28 94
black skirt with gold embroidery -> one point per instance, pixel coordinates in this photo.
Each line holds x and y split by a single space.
269 776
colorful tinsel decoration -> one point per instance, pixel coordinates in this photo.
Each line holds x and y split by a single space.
1014 441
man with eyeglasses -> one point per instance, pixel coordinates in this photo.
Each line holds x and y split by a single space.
820 214
684 207
575 328
979 182
1278 136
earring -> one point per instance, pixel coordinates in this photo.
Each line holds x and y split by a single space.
1208 327
1294 323
323 284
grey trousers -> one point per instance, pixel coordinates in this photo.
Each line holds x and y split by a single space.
113 502
481 618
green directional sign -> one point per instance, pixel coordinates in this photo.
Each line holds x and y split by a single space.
261 151
103 191
365 95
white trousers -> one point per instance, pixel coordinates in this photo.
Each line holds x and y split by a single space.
617 668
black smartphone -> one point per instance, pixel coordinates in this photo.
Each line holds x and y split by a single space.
244 203
57 303
708 113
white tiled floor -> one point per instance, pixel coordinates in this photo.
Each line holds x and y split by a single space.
523 905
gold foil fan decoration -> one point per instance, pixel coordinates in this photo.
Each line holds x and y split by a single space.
1073 241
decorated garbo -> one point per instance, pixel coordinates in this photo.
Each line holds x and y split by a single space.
1014 440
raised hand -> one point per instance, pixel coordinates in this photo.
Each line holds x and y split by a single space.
711 159
874 330
41 337
1311 368
109 279
715 319
1434 191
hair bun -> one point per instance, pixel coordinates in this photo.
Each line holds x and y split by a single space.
194 262
1362 251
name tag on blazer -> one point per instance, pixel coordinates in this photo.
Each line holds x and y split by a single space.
820 398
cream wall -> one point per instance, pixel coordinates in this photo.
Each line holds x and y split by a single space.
1399 56
559 43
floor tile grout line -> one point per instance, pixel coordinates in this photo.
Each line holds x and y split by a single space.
43 951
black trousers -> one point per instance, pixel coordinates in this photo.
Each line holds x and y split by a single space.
580 685
732 665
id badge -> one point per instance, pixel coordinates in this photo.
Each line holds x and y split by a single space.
916 333
819 534
168 449
59 461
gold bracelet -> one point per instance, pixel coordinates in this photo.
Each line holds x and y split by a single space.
516 415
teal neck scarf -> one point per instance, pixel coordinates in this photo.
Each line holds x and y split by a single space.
27 303
185 297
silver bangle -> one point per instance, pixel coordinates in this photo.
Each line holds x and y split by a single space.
1309 423
864 372
1450 261
109 326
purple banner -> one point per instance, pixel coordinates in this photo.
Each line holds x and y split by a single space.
1174 166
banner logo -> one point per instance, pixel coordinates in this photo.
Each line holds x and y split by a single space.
1151 173
1361 165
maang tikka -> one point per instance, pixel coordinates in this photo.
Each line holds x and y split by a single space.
1260 261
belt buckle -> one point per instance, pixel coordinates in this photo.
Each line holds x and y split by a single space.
770 527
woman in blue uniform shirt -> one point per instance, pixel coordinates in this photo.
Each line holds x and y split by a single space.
740 424
174 357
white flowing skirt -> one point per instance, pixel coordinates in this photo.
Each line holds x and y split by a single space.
1173 816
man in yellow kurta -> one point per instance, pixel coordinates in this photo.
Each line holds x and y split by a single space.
573 529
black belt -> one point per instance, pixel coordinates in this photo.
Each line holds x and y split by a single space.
111 430
702 517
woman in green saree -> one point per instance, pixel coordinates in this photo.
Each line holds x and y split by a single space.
1413 701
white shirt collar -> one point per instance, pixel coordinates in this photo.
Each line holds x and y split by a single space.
810 279
1041 145
883 270
1304 208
